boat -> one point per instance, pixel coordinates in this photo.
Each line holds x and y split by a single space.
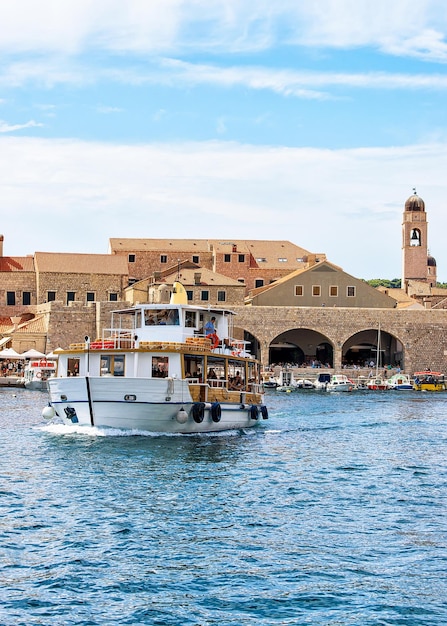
285 381
400 382
36 373
304 383
340 382
154 370
429 381
377 384
321 381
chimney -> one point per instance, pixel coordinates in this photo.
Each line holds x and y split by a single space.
1 245
197 278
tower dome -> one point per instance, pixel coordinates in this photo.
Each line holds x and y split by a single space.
414 203
431 261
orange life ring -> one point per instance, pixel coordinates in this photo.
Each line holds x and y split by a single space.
38 375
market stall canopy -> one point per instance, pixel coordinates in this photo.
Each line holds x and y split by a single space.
32 354
9 353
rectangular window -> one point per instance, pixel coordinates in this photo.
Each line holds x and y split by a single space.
221 296
10 298
71 296
160 366
196 259
241 258
205 295
333 291
26 297
227 258
350 292
113 297
90 296
316 290
51 296
131 258
163 258
112 365
190 295
299 290
259 282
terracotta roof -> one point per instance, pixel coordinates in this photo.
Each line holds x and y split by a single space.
404 301
207 277
36 325
16 264
267 253
64 263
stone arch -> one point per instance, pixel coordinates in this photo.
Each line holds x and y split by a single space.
361 349
301 346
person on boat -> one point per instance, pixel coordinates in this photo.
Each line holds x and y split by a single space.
212 374
210 332
236 383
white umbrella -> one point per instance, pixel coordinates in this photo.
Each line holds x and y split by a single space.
9 353
32 354
53 354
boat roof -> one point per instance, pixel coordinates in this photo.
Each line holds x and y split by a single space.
428 373
190 307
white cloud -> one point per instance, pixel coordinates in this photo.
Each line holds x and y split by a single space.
402 27
9 128
346 203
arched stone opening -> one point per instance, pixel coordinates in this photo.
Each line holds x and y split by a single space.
373 348
301 347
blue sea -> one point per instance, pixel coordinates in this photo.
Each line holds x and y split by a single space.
332 512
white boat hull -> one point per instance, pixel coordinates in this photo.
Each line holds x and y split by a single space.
152 405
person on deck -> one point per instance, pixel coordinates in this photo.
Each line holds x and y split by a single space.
210 332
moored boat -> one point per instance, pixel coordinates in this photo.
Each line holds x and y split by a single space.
340 382
155 370
377 384
37 372
429 381
400 382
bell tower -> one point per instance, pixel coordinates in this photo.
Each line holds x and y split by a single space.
416 263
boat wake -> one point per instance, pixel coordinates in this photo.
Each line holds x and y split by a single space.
94 431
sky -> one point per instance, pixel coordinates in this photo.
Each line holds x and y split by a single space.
305 120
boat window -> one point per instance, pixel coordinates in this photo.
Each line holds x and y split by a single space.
160 366
161 317
73 367
193 367
236 375
190 319
112 365
215 376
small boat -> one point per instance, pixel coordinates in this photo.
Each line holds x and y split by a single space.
154 370
321 381
304 383
429 381
340 382
377 384
37 372
400 382
285 381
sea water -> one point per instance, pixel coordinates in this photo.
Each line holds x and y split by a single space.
331 512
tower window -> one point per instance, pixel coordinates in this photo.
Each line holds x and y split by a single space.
415 237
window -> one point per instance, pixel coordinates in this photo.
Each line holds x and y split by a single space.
26 297
316 290
205 295
299 290
90 296
282 260
112 365
259 282
190 295
164 258
10 298
196 259
131 258
227 258
241 258
350 292
221 296
241 280
160 366
71 296
51 296
261 260
333 291
113 297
